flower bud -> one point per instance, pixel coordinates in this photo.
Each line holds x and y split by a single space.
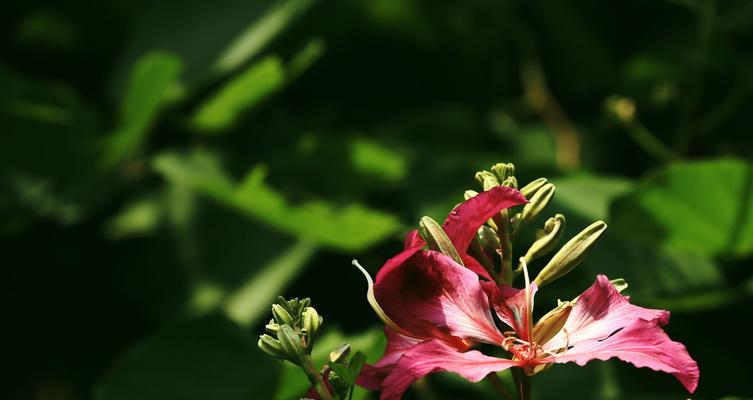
311 322
571 254
469 194
292 345
511 182
502 171
303 304
271 346
272 327
554 229
437 239
488 239
487 180
282 316
338 383
340 353
551 323
620 284
532 187
538 202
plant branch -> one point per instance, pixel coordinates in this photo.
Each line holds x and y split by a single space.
494 380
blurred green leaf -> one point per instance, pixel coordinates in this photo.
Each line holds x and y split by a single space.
243 92
138 217
153 76
375 159
348 228
701 206
250 87
251 300
259 33
206 358
589 195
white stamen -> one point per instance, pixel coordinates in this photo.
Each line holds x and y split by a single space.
375 305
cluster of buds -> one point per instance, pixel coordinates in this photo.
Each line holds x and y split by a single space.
290 337
291 332
492 246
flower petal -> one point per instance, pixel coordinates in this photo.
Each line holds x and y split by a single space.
372 376
642 343
435 356
463 222
599 312
432 296
510 305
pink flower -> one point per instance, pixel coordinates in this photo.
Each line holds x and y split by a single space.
437 310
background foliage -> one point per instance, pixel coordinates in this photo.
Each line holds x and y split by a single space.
168 168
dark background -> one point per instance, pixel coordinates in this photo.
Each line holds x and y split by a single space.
168 168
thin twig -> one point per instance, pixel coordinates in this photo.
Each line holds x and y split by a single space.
494 380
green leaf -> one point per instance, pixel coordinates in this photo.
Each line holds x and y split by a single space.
153 76
589 195
700 206
240 94
207 358
350 228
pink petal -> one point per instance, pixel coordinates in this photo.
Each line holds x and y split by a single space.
510 305
600 311
642 343
436 356
412 239
432 296
463 222
395 262
476 267
372 376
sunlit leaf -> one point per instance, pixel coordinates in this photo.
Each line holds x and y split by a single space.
701 206
151 79
351 227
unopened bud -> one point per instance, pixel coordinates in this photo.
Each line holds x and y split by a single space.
340 353
488 239
620 284
303 304
272 346
338 383
621 108
469 194
551 323
311 322
503 171
532 187
272 327
282 316
437 239
538 202
554 229
571 254
487 180
511 182
291 345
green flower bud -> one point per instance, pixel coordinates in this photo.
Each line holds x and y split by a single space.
537 203
303 304
340 353
554 229
502 171
469 194
486 179
489 239
511 182
551 323
339 384
437 239
311 322
292 345
272 327
571 254
272 346
282 316
620 284
532 187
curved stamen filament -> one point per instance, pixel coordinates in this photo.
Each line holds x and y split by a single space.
375 305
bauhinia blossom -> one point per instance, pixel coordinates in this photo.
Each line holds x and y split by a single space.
437 310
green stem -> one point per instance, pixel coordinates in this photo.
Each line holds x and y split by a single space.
494 380
502 220
316 379
524 386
